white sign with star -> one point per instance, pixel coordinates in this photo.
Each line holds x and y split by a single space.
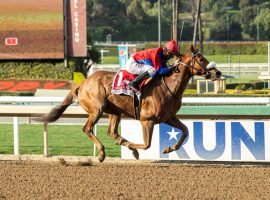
173 134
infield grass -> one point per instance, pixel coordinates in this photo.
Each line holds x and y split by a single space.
63 140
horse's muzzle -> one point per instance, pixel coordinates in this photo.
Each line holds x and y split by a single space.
208 75
213 74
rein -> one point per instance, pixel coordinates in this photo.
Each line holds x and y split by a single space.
187 65
163 80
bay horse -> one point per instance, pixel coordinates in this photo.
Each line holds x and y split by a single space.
161 99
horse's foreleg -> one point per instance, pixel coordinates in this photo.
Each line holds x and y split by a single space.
147 127
175 122
113 132
88 129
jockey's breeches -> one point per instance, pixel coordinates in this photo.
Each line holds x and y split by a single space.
136 68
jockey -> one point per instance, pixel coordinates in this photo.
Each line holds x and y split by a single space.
149 62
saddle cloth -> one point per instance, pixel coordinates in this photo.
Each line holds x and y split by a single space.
121 81
120 86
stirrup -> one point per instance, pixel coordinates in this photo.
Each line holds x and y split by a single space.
134 87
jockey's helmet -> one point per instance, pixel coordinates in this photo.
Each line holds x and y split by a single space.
172 47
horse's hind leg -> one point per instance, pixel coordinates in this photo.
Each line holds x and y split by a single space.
88 129
114 121
113 132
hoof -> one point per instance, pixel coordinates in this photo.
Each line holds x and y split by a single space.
101 156
167 150
135 153
62 161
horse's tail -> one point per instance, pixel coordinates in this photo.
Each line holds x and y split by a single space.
57 111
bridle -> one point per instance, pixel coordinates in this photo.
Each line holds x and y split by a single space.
192 66
177 70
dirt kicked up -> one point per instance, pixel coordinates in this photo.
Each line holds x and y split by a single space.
112 180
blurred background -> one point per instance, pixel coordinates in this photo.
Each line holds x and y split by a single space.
235 34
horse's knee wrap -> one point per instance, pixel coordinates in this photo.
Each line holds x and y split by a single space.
119 141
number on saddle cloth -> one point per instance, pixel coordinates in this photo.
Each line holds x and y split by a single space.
121 81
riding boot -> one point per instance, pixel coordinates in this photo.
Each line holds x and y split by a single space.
134 84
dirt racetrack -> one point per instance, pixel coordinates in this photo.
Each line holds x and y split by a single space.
112 180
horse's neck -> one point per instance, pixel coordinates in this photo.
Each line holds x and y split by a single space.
178 82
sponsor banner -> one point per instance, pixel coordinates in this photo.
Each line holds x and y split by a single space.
76 28
208 140
32 85
122 55
31 29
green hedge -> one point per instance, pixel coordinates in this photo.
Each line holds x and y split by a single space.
256 85
34 70
226 48
16 93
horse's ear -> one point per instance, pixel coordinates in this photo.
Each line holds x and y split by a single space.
192 49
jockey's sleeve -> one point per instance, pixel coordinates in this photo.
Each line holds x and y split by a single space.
163 70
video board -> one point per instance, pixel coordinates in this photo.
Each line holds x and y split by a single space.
31 29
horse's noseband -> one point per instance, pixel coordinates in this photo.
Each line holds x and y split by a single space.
193 60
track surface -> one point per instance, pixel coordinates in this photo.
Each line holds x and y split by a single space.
37 180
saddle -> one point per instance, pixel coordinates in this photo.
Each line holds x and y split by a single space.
120 86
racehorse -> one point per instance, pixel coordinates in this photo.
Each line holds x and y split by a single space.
161 99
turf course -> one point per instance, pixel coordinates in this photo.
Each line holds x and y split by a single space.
63 140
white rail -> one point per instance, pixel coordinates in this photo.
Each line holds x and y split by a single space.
226 100
29 99
243 68
186 100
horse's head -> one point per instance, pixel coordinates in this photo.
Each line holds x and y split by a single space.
199 65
